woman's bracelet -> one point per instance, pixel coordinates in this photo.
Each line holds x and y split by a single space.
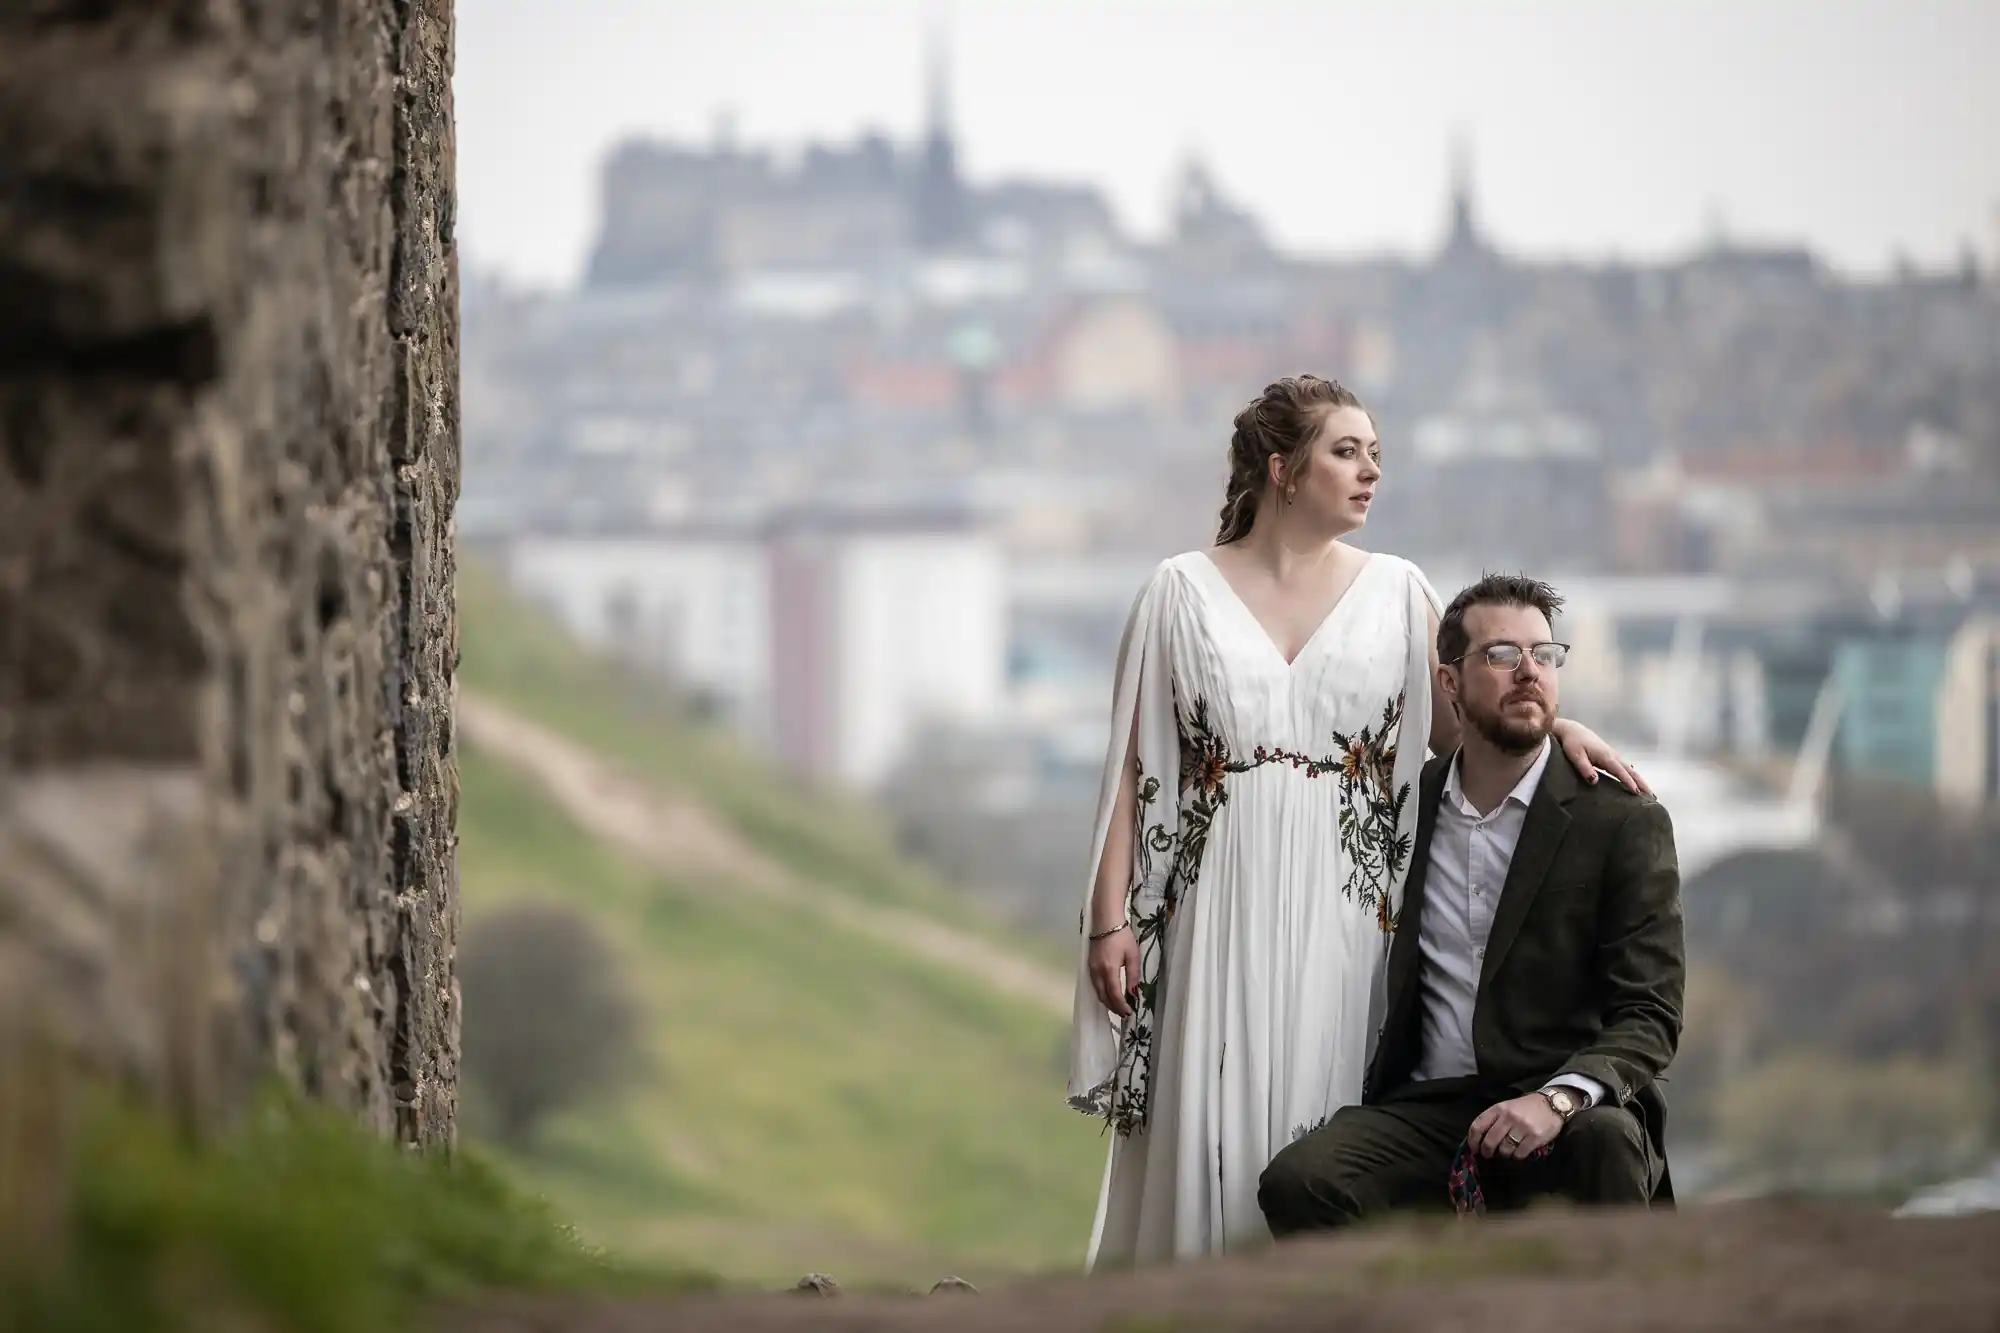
1107 934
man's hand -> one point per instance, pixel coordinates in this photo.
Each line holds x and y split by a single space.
1515 1128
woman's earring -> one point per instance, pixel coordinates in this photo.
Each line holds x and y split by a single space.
1291 492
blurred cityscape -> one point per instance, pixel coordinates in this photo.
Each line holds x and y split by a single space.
864 462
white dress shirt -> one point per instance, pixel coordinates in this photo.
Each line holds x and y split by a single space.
1469 856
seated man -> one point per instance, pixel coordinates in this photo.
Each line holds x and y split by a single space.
1536 976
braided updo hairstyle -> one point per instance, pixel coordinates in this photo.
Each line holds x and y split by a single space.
1282 420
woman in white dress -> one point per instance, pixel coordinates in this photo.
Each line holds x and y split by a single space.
1273 703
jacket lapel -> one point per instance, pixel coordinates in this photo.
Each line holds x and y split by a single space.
1541 835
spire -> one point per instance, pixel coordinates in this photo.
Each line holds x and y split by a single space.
1464 233
939 202
1195 195
937 78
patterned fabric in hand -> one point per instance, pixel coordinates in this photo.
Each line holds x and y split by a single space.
1467 1198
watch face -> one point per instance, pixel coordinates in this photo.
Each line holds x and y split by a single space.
1563 1100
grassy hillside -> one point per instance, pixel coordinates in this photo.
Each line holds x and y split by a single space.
513 653
816 1101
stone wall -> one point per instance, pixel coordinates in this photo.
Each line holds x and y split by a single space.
228 461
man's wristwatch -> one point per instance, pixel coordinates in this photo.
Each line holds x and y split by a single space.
1563 1100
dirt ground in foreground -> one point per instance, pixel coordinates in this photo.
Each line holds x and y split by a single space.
1723 1267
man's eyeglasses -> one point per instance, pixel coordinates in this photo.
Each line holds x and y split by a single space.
1507 656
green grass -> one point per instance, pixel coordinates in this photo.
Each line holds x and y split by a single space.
296 1220
517 656
815 1100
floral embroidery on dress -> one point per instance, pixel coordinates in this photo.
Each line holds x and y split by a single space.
1149 911
1371 836
1149 906
1300 1131
1372 833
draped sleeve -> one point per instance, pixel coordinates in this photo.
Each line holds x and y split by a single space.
1109 1056
1414 737
1412 747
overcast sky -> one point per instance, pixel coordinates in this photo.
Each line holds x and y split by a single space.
1598 127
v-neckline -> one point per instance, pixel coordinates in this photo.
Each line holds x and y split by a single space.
1265 634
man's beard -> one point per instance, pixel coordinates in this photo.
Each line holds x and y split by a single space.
1506 734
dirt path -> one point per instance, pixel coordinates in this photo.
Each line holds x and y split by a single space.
1729 1268
683 838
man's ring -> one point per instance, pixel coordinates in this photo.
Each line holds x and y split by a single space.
1513 1138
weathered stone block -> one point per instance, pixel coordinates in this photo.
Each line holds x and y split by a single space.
228 460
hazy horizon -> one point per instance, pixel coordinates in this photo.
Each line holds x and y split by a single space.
1597 131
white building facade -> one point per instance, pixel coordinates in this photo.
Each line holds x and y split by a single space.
691 603
828 641
1968 715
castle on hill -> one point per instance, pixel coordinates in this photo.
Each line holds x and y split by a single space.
673 212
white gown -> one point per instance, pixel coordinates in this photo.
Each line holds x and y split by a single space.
1277 811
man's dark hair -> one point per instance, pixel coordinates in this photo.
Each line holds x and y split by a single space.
1493 590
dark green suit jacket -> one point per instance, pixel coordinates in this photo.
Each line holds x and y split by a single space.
1585 968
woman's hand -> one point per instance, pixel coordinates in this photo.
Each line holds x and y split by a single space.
1587 752
1114 970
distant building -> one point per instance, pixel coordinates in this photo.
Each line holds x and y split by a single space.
1838 507
1500 479
1915 662
879 626
1729 273
1117 353
689 602
1463 244
1211 234
1889 695
938 202
1459 301
675 213
1235 331
829 639
1967 717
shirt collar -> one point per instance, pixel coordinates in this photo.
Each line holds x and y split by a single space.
1523 793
